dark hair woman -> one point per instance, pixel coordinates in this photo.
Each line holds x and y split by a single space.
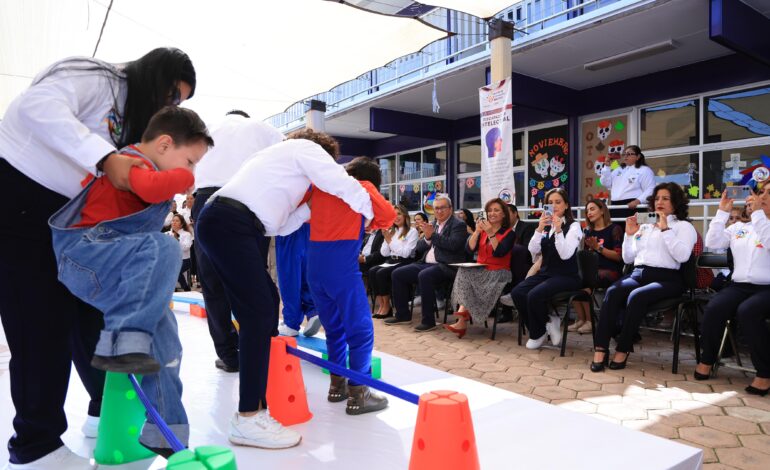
183 234
477 290
556 239
657 251
631 183
68 124
398 249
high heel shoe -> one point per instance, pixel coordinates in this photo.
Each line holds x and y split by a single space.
464 315
619 365
699 376
460 333
599 366
757 391
380 316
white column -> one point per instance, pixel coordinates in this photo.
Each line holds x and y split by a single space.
315 116
500 38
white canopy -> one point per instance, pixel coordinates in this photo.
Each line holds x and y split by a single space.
259 56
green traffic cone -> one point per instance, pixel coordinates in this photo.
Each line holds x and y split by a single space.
204 458
121 421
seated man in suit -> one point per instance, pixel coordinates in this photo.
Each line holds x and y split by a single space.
370 251
521 259
446 238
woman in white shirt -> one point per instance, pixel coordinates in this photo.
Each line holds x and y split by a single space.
66 126
181 231
747 295
557 237
398 249
631 183
656 251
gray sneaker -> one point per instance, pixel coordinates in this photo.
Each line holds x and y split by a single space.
312 326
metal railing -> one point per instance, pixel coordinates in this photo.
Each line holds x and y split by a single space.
555 12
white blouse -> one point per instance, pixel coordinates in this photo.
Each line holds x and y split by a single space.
402 247
651 247
185 242
566 245
629 182
749 242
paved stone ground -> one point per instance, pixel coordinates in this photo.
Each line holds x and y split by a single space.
732 427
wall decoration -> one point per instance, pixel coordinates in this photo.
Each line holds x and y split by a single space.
548 156
601 139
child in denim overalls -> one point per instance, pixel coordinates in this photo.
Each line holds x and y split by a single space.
111 254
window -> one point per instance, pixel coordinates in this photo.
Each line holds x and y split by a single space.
409 166
738 115
388 169
469 156
469 193
434 162
681 169
718 171
518 184
410 196
669 125
518 148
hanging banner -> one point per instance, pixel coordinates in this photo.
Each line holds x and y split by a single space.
548 154
496 142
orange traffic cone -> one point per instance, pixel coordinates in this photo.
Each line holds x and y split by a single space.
197 311
443 436
286 396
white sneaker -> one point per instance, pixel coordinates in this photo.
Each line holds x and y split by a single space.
90 428
506 300
536 343
553 327
417 301
284 330
312 326
60 459
262 431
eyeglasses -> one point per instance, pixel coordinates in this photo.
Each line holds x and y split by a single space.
440 208
630 154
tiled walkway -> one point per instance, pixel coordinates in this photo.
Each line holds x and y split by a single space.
731 426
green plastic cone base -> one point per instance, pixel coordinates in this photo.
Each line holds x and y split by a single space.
204 458
376 366
121 421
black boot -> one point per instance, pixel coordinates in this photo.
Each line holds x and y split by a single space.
362 400
338 389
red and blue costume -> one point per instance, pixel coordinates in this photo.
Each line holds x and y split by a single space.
336 232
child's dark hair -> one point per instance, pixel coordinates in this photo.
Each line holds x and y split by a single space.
364 169
326 141
182 124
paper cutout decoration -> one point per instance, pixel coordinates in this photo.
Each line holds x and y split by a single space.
694 191
416 187
533 191
402 188
614 165
710 188
430 186
761 174
662 173
540 185
717 193
439 185
470 182
619 126
736 164
598 182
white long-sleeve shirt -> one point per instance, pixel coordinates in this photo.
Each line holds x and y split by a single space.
629 182
566 245
236 140
653 248
185 242
274 181
749 242
401 247
57 130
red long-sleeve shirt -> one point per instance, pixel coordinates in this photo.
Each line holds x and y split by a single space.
148 186
332 219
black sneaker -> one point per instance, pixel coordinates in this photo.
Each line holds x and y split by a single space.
396 321
132 363
220 364
423 327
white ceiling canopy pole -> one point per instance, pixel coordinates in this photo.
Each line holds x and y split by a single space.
315 117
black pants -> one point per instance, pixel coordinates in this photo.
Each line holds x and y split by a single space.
182 279
428 278
749 303
531 299
235 248
630 297
218 310
42 320
379 278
